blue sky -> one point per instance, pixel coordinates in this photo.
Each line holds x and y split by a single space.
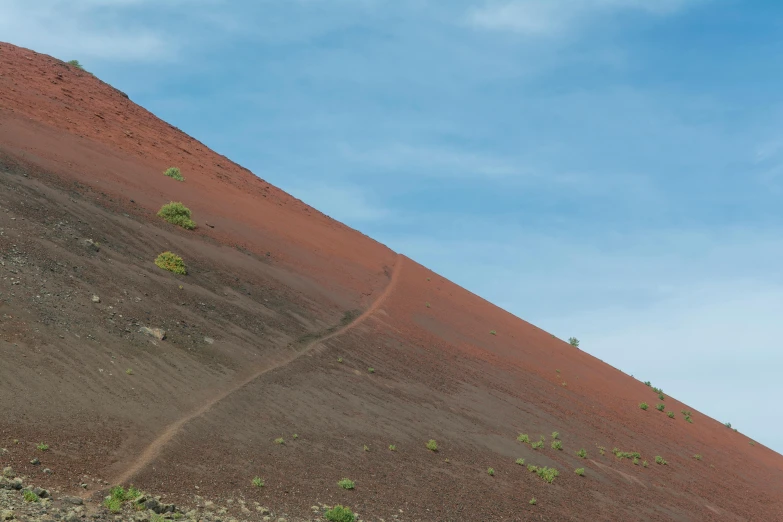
607 169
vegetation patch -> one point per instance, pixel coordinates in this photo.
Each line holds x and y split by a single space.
573 341
659 460
555 434
532 501
392 447
340 514
523 438
346 483
548 474
172 263
492 332
660 407
43 447
536 445
177 214
491 472
643 405
75 63
257 482
697 457
432 445
280 440
558 445
29 496
582 453
174 173
520 462
580 471
670 414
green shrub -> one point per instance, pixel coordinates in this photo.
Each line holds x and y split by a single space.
580 471
491 472
532 468
523 438
751 443
340 514
172 263
647 383
43 447
555 434
697 457
113 504
670 414
658 390
558 445
635 461
548 474
366 447
536 445
582 453
573 341
432 445
75 63
727 424
29 496
601 450
659 460
280 440
644 464
392 447
643 406
174 172
346 483
492 332
521 462
177 214
257 482
339 359
660 407
371 370
661 397
532 501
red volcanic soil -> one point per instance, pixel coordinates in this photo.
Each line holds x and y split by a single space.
273 332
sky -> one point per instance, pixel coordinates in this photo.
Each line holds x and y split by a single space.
605 169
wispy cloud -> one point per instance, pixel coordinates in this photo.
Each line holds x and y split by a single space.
552 17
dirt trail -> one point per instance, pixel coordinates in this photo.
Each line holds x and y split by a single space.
156 446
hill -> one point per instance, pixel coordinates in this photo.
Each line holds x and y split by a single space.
295 350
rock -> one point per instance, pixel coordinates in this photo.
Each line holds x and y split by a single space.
90 245
8 472
83 485
76 501
42 493
6 514
35 461
47 471
153 505
72 517
5 483
96 299
16 484
209 340
153 332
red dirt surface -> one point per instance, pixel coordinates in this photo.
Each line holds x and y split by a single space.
276 293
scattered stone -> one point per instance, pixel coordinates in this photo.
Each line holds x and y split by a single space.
42 493
153 332
47 471
209 340
8 472
96 299
90 245
6 514
83 485
76 501
35 461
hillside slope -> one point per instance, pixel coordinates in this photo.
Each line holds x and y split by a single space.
289 322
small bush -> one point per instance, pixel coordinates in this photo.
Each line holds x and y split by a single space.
635 461
432 445
670 414
366 447
174 172
582 453
555 434
392 447
644 464
661 397
177 214
346 483
548 474
29 496
647 383
294 436
537 445
601 450
523 438
427 304
257 482
688 419
371 370
75 63
658 390
172 263
532 468
558 445
280 440
339 359
660 407
643 406
491 472
521 462
129 371
43 447
340 514
697 457
751 443
113 504
532 501
492 332
727 424
573 341
659 460
580 471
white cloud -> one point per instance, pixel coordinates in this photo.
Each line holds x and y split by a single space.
552 17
